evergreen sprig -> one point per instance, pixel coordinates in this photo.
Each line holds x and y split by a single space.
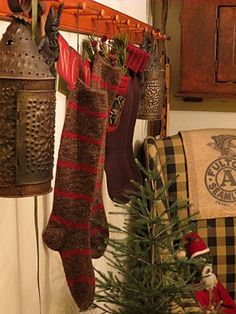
113 51
146 276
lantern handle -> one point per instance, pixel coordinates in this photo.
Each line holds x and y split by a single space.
20 5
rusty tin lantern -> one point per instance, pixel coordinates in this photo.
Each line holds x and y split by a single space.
152 83
152 92
27 115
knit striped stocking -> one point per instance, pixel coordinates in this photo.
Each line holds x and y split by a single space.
104 77
68 229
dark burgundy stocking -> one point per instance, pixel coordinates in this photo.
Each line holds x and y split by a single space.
119 163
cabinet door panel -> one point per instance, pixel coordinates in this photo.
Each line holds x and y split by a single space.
226 48
208 49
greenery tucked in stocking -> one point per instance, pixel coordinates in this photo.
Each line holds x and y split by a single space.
146 276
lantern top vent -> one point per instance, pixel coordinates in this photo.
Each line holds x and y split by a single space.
19 55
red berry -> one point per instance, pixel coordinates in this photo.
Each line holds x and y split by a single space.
94 43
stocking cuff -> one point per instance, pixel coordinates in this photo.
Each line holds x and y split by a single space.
105 76
137 58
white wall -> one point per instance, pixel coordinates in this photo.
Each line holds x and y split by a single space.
18 258
134 8
187 120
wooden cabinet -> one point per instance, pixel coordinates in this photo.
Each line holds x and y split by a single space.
226 45
208 48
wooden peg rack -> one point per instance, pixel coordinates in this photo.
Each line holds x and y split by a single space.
91 17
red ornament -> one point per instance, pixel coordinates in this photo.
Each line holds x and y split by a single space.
94 43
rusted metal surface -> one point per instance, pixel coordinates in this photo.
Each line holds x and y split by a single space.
19 56
206 37
35 136
19 5
152 92
27 112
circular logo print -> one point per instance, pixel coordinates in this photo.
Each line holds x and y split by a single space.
220 179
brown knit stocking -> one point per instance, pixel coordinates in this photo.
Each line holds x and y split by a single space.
68 230
99 229
104 77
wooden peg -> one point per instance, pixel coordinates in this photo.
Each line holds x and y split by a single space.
90 12
133 27
140 30
123 23
157 35
68 6
98 13
114 18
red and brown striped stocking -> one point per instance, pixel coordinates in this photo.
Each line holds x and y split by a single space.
68 230
104 77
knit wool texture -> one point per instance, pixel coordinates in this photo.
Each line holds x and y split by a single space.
68 229
104 77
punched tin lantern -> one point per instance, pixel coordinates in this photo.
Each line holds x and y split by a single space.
152 91
27 115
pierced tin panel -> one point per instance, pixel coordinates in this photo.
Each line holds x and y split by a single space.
8 132
35 136
152 92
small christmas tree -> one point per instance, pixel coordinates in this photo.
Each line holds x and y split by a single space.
146 276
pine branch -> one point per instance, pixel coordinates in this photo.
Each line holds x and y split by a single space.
147 277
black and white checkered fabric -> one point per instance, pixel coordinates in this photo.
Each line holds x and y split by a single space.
219 233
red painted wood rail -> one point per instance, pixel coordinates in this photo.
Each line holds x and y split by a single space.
91 17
